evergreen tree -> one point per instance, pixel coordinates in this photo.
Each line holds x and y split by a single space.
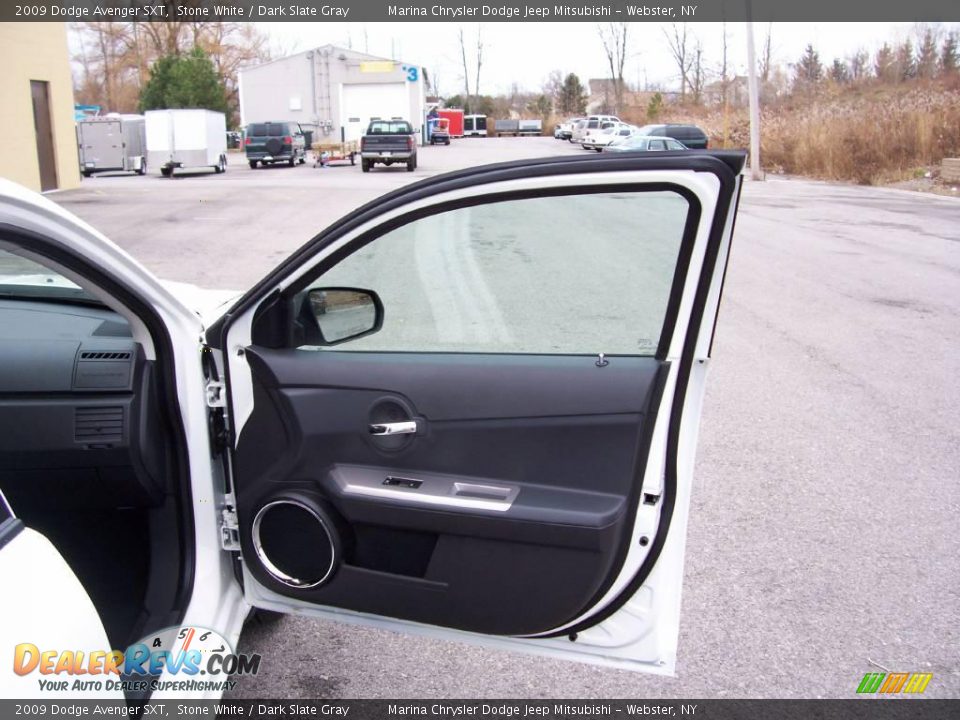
184 81
809 69
905 63
839 72
884 66
927 55
572 97
949 55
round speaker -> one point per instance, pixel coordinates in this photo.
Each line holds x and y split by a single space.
296 542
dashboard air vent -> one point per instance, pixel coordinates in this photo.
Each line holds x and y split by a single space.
87 355
98 425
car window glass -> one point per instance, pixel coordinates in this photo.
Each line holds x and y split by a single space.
389 128
569 274
257 129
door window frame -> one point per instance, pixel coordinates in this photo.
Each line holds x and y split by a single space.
285 312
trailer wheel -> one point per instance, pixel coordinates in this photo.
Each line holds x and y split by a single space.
87 173
166 171
143 166
353 158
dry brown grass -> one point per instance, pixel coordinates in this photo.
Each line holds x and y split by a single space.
870 134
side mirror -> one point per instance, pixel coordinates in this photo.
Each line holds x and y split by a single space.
343 314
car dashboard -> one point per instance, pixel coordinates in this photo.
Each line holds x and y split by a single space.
76 394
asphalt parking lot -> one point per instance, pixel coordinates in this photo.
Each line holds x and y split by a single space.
823 537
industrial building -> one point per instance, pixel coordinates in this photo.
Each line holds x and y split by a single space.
333 92
36 95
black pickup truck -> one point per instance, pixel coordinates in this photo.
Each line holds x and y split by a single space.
388 142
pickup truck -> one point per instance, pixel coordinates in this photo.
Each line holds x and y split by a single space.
388 142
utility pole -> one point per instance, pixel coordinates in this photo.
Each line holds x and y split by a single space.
755 173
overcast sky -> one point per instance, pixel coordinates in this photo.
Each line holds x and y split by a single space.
526 52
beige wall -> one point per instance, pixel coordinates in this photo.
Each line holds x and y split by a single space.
36 51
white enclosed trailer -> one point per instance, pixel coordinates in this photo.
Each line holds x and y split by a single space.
186 139
112 143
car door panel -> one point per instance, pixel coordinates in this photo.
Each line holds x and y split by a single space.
559 432
534 496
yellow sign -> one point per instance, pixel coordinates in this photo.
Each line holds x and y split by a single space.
378 66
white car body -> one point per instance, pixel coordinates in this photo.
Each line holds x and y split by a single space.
591 122
639 632
606 134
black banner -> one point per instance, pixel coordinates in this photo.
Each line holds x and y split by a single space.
487 11
857 709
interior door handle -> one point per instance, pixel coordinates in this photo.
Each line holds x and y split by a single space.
396 428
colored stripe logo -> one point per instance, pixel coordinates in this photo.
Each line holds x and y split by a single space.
892 683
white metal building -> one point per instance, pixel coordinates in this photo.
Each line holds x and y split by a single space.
333 91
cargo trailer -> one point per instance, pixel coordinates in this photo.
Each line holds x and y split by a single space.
112 143
506 127
475 126
455 118
531 127
186 139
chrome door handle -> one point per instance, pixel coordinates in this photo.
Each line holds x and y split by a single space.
397 428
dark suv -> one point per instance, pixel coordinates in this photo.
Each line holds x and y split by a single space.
274 142
690 135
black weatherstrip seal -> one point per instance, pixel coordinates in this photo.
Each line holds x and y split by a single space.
36 243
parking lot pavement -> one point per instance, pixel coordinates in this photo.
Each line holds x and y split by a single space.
823 537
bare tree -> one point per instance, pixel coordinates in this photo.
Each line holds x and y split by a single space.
678 41
767 57
476 80
698 76
725 67
466 69
614 39
115 58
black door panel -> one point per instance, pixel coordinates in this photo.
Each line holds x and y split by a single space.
560 431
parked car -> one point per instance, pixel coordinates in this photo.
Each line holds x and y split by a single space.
269 143
690 135
234 139
320 444
591 122
644 142
608 133
186 138
564 130
388 142
112 142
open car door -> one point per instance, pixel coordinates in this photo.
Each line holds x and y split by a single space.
470 408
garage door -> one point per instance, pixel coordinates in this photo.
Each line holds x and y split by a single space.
361 103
